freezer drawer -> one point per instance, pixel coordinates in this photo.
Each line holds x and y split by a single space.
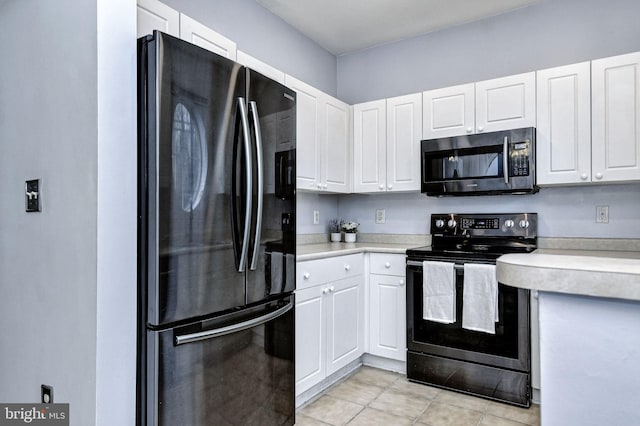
236 370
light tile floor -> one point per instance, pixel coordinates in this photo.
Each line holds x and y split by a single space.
376 397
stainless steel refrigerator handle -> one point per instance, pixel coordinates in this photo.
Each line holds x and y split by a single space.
505 159
249 189
211 334
260 167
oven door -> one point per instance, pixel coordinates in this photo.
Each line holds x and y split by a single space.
508 348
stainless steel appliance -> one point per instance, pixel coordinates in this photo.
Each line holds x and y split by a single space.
216 240
495 366
485 163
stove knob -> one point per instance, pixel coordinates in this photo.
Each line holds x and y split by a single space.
508 224
439 223
524 224
451 224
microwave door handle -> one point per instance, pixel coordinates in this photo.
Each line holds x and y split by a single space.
505 159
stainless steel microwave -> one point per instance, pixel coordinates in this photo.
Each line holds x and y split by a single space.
486 163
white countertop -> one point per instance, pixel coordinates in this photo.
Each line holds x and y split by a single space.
599 273
324 250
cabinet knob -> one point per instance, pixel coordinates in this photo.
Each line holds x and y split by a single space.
598 175
380 186
480 128
387 265
584 176
389 186
347 267
401 283
331 289
306 276
319 185
469 129
325 291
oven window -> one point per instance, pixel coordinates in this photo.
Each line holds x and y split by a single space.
485 162
503 343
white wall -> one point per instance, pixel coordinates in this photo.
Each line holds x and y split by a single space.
48 122
546 34
67 274
562 212
265 36
117 211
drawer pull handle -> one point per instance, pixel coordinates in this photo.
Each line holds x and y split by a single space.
387 265
306 276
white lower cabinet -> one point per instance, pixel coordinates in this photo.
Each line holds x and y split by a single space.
387 306
330 322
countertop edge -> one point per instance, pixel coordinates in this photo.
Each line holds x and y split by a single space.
326 250
575 276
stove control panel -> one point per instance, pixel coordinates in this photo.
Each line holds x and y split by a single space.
485 225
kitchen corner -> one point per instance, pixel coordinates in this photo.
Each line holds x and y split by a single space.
588 298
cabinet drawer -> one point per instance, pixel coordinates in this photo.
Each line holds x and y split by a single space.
387 264
316 272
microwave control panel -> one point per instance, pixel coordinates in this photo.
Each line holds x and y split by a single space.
519 158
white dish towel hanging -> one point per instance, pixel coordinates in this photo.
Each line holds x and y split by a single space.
438 292
480 298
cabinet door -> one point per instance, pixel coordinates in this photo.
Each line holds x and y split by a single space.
203 36
387 316
308 153
506 103
563 134
615 118
448 112
345 322
310 338
370 147
336 146
153 15
404 131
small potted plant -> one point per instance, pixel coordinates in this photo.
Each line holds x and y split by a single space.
350 230
335 226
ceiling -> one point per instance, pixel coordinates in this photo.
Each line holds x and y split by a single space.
345 26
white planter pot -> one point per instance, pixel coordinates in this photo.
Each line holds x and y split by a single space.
336 237
349 237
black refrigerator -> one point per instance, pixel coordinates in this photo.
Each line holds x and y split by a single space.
216 185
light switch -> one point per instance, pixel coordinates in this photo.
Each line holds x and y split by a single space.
32 196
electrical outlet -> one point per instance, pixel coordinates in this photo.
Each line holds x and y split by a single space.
602 214
380 216
32 195
46 394
316 217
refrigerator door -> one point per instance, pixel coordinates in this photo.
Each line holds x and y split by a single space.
195 103
234 370
272 122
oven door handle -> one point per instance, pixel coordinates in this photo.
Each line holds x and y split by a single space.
415 263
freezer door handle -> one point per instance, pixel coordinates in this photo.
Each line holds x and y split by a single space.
217 332
249 176
259 167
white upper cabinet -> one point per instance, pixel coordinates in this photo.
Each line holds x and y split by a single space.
203 36
563 135
449 111
616 118
386 144
323 129
487 106
506 103
404 131
257 65
154 15
370 146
